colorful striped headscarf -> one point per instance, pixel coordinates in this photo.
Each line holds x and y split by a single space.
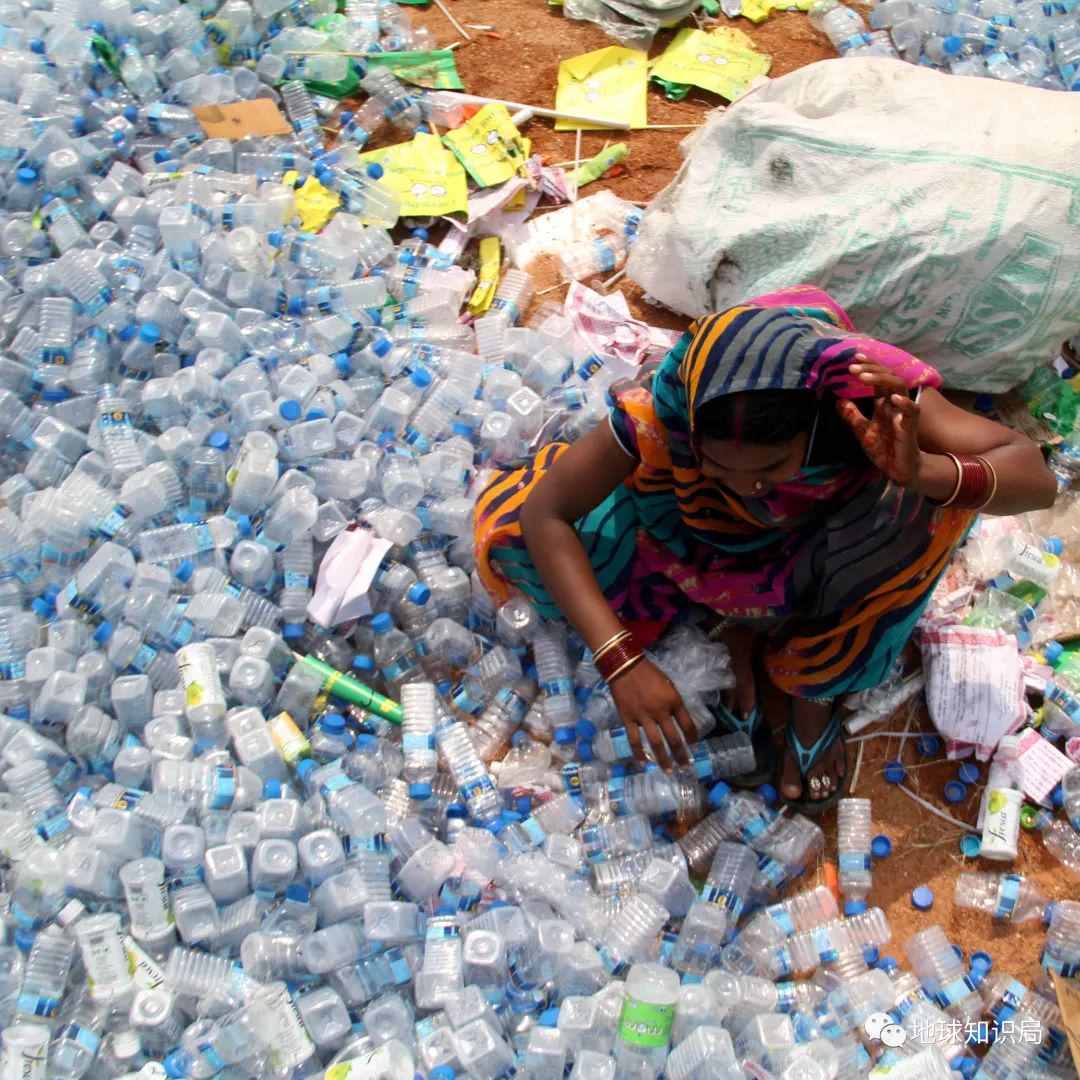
798 339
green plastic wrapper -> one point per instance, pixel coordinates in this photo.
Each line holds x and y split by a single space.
673 91
347 688
435 70
595 167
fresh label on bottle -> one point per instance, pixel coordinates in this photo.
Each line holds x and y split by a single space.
645 1025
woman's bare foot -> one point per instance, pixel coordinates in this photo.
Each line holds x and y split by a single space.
810 720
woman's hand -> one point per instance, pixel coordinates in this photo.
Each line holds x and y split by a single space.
889 437
648 702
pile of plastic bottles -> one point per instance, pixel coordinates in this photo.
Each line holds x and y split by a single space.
240 844
1017 41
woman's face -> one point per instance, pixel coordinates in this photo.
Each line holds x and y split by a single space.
752 470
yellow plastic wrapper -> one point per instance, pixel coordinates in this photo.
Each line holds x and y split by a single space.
426 179
315 204
723 61
489 146
487 277
610 84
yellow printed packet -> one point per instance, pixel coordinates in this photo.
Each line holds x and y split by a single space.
426 179
489 146
723 61
610 84
487 278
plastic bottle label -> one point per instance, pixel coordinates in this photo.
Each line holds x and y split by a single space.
144 971
36 1005
198 670
105 958
333 783
781 919
954 991
224 787
1008 895
291 743
645 1025
414 742
86 1038
853 862
148 907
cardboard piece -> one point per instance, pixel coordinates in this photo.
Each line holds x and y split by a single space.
1068 996
611 84
239 119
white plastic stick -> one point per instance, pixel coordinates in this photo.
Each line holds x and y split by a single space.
453 22
558 114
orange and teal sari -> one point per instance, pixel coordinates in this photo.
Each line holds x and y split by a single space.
836 565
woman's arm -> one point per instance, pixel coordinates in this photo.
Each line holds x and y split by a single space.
1023 480
583 476
909 441
578 481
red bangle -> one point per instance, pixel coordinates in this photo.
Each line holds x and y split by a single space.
975 479
617 657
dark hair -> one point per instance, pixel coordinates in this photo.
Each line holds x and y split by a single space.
764 417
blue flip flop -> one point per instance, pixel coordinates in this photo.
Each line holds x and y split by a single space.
806 759
753 725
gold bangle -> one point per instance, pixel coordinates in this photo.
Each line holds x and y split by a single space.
611 642
993 484
625 667
959 479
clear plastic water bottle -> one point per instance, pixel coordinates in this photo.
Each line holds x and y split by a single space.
854 831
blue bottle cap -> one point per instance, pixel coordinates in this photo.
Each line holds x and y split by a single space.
420 377
981 962
952 44
24 939
928 745
1054 545
618 770
565 735
895 772
364 663
243 525
922 898
291 631
272 789
955 791
967 1066
969 772
382 623
345 116
442 1072
42 608
871 952
523 805
519 738
719 792
419 791
769 795
366 741
290 410
275 238
306 768
174 1065
341 362
1052 650
585 751
1057 797
970 846
881 846
315 414
37 46
25 174
160 156
126 333
888 964
150 333
218 440
854 907
104 632
375 171
295 306
381 346
131 114
585 729
298 892
333 722
549 1018
419 593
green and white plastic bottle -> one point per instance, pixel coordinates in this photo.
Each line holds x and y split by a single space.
648 1013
